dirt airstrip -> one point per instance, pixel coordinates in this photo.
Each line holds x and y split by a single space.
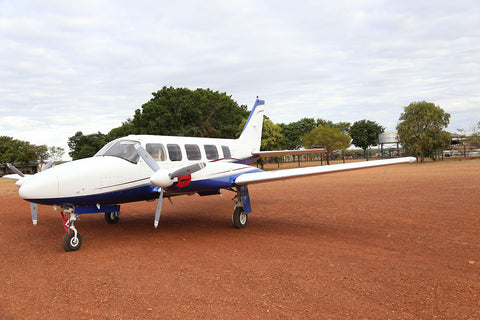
398 242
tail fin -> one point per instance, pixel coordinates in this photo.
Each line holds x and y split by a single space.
251 135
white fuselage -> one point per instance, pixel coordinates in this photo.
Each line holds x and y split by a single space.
112 177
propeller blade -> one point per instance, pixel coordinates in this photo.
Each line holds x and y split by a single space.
147 157
159 208
48 165
187 170
34 210
11 167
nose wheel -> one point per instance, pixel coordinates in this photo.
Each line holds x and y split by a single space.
72 240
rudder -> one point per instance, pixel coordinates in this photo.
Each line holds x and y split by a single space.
251 135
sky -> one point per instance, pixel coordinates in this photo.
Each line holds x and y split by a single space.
68 66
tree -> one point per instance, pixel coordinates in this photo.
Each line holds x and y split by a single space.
183 112
172 112
364 133
84 146
42 153
330 138
474 138
342 126
272 136
420 130
294 131
56 153
18 151
124 130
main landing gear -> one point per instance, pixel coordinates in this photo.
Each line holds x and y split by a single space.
240 213
112 217
239 217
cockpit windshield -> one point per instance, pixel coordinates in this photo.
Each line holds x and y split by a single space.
124 149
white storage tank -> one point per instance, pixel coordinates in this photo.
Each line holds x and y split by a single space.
388 137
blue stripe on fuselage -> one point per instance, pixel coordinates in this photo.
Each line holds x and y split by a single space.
147 192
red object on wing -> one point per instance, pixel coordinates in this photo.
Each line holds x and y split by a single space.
184 181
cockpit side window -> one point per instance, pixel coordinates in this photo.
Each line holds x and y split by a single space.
124 149
157 151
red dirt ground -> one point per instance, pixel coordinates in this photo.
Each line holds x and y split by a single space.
398 242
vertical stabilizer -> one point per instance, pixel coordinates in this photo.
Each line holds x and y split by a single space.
252 132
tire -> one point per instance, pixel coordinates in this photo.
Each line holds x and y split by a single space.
112 217
69 243
239 218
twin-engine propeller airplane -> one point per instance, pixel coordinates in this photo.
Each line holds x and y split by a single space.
146 167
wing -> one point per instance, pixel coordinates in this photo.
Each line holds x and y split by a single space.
12 176
265 176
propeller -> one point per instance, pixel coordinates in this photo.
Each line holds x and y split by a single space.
33 206
162 178
15 170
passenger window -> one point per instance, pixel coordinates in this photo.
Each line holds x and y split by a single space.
174 152
193 152
226 152
211 152
157 151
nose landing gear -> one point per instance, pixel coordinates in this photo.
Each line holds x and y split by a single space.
72 240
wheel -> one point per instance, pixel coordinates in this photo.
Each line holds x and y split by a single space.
239 218
70 243
112 217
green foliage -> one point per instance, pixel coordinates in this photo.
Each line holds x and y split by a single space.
272 137
330 138
56 153
294 131
364 133
183 112
420 130
124 130
17 151
344 127
172 112
84 146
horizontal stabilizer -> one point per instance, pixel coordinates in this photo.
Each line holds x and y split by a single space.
265 176
280 153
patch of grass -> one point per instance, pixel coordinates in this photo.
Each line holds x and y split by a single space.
4 180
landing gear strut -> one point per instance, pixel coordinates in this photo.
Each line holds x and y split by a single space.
72 240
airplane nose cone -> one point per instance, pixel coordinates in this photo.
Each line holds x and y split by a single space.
40 186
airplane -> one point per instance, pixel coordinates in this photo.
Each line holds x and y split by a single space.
150 167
